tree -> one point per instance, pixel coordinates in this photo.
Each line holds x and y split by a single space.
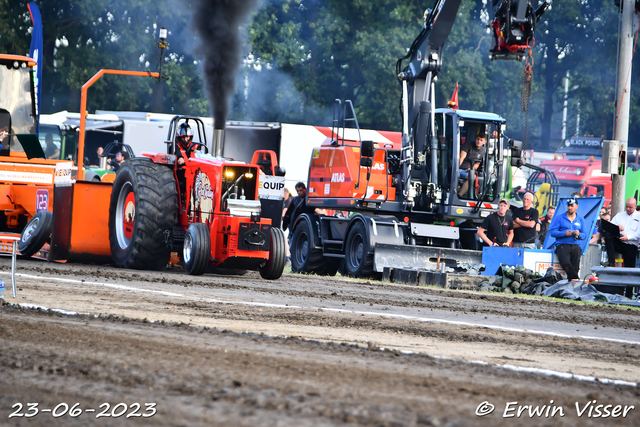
81 38
578 36
338 50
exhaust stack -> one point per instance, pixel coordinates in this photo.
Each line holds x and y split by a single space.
218 142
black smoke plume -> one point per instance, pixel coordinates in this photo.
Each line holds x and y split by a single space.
218 23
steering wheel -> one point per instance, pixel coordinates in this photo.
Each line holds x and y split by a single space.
202 144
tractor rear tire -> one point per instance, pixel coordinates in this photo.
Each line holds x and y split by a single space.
358 257
35 233
196 249
144 203
305 258
272 269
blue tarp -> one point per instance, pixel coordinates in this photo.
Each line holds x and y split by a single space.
588 208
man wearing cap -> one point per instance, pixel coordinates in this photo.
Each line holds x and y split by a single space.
497 228
568 230
628 221
525 220
471 155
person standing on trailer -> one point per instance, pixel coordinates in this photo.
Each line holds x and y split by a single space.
525 220
497 228
568 231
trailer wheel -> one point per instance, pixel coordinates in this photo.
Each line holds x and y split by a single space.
304 258
272 269
36 233
358 257
144 203
196 249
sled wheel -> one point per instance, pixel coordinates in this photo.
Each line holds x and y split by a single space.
36 233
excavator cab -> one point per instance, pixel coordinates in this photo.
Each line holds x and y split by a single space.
465 186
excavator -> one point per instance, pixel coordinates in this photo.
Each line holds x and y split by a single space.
405 202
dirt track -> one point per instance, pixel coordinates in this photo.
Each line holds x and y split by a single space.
223 350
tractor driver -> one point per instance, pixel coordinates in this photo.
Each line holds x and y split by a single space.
184 137
471 155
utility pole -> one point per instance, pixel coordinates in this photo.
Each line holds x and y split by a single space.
622 102
564 108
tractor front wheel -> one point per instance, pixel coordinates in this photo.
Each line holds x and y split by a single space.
272 269
144 203
196 249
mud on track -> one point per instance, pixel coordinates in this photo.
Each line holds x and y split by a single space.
237 350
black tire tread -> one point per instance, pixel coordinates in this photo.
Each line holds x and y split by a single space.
366 267
29 248
200 255
316 262
156 211
273 268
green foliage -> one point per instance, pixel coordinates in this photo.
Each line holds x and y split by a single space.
336 49
301 55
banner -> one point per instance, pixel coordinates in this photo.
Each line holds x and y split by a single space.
36 53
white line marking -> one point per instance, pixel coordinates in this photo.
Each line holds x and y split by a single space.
337 310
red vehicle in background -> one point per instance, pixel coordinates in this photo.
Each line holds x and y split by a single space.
578 169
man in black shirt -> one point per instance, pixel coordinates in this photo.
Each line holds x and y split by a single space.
525 220
115 164
497 228
297 205
471 155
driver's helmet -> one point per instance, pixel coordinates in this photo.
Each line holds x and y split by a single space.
184 135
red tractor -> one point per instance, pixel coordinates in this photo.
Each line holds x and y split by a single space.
190 202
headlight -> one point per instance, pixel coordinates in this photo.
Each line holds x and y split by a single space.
229 174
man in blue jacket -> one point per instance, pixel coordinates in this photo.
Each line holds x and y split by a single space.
568 230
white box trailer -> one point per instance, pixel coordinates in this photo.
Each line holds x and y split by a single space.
146 132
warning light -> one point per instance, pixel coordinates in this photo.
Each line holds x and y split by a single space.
452 223
406 219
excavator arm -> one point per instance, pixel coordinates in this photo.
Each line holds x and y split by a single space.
513 28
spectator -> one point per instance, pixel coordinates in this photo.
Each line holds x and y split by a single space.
628 221
115 164
570 228
544 225
52 152
99 152
298 206
525 220
497 228
598 236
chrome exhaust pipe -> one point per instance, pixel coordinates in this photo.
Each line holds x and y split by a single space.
218 142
